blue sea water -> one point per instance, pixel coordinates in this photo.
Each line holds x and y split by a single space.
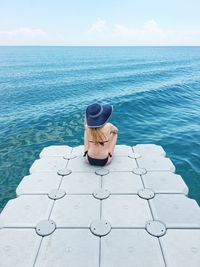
44 91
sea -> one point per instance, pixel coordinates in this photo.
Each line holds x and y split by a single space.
44 91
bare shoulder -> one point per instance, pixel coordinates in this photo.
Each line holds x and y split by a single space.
111 127
107 126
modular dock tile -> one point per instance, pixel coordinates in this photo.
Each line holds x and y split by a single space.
156 164
181 247
165 182
122 164
126 211
48 164
81 182
176 210
39 183
130 247
132 212
55 151
122 182
18 247
149 150
75 211
123 150
26 211
69 247
78 151
79 164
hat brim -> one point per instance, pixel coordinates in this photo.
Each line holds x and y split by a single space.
102 119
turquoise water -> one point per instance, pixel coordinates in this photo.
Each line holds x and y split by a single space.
44 91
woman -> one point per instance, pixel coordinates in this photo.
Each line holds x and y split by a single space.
100 136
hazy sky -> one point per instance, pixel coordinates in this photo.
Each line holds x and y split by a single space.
111 22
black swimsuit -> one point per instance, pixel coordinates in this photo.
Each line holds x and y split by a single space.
99 162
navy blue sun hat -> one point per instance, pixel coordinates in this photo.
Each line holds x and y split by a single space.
97 115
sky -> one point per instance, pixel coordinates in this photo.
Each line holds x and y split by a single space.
100 22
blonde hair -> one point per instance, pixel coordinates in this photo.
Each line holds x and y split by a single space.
96 133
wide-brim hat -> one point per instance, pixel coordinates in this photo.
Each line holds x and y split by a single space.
97 115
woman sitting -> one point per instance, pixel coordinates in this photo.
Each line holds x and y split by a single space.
100 136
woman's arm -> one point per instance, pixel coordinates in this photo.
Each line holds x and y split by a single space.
86 143
113 129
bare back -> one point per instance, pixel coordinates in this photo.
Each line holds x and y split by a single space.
101 151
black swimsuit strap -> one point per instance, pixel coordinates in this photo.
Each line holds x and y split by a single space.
100 142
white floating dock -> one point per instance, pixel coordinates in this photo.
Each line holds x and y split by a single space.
133 212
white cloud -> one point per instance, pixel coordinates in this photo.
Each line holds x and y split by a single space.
22 35
30 36
151 25
103 33
150 33
98 26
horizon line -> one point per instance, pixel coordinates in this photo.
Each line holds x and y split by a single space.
49 45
